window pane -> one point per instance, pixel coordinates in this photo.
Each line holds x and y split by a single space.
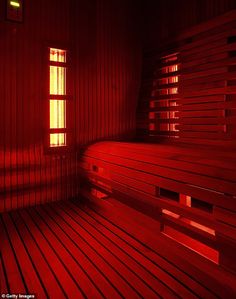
57 55
57 114
58 139
57 80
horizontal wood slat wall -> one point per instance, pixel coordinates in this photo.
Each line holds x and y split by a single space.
189 190
206 86
217 95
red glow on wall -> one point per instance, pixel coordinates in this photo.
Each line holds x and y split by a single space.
151 127
185 200
169 213
165 89
199 226
98 193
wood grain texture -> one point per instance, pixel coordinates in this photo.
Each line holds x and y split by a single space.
104 54
84 249
153 179
205 75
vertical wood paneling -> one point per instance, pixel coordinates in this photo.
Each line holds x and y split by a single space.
108 70
105 53
27 175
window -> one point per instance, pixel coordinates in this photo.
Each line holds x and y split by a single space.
163 117
57 97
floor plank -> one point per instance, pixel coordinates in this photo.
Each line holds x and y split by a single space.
45 271
3 282
170 275
88 276
93 250
71 250
29 271
142 266
54 258
132 248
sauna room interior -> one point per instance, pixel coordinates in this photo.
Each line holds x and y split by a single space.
117 149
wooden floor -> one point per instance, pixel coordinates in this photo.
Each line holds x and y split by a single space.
70 250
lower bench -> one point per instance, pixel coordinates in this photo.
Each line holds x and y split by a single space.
190 192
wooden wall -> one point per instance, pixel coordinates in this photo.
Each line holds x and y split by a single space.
105 70
166 18
108 70
201 34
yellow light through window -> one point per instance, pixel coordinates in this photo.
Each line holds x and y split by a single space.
57 139
57 114
57 55
57 80
57 87
15 4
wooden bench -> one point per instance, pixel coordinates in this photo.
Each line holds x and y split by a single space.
189 192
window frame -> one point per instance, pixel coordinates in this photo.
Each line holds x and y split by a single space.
69 129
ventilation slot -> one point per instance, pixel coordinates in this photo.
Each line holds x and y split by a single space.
186 223
168 194
231 39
